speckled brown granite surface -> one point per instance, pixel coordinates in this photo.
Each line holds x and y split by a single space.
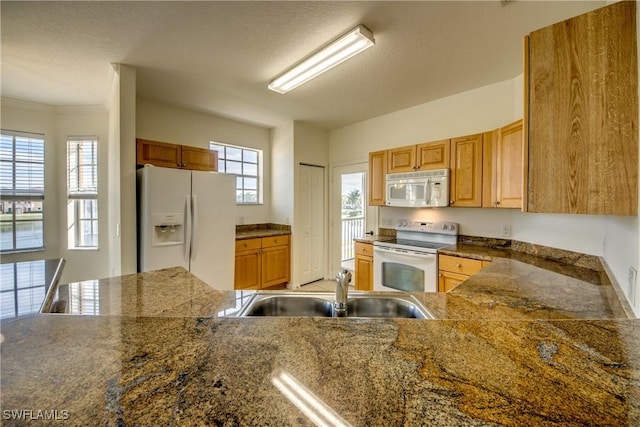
517 344
253 231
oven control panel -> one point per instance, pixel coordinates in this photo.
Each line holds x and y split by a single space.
436 227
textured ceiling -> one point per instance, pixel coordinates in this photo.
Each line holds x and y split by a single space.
217 57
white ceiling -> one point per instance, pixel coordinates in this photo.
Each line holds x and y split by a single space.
217 57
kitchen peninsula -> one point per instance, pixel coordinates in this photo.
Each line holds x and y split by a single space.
516 344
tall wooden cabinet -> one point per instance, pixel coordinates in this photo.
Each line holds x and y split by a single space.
465 186
502 167
581 108
377 176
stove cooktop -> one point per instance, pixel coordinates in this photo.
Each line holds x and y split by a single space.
407 243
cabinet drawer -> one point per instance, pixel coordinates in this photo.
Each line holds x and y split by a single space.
365 249
268 242
459 265
248 244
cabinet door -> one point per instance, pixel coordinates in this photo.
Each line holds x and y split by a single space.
402 159
377 177
275 265
200 159
433 155
364 273
489 142
466 171
508 171
247 269
582 112
158 154
448 281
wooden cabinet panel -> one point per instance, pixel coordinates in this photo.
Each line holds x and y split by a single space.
247 269
268 242
201 159
448 280
508 171
364 273
582 93
377 177
365 249
402 159
466 171
175 156
275 265
459 265
158 154
262 262
433 155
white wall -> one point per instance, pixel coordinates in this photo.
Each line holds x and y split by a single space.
38 118
310 147
58 123
282 172
84 121
160 122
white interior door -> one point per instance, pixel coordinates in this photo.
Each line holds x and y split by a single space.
350 215
312 223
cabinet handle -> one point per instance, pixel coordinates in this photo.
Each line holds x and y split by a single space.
497 203
458 265
451 202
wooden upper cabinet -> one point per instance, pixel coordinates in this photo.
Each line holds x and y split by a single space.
508 172
466 171
200 159
581 112
427 156
175 156
502 167
402 159
433 155
377 177
158 154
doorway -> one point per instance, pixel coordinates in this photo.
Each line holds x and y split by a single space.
351 215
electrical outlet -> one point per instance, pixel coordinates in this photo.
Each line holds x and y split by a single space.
506 230
633 283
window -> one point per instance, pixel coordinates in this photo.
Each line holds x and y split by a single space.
21 191
245 164
82 193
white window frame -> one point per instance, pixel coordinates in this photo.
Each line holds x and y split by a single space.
78 195
14 195
242 178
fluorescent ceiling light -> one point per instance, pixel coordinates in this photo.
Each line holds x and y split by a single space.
343 48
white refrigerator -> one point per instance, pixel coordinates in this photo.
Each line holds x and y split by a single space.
187 219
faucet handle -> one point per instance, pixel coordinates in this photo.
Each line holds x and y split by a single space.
344 277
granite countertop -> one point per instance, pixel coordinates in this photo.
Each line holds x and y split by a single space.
516 344
254 231
375 238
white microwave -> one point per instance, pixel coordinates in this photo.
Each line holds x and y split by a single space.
423 189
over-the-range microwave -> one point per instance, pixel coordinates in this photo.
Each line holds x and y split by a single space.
421 189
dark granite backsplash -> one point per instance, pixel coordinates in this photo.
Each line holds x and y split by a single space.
266 226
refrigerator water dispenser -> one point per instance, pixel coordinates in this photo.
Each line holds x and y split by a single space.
168 229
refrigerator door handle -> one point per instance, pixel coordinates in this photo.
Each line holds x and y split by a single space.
187 228
194 230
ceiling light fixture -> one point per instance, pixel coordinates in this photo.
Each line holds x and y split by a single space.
344 47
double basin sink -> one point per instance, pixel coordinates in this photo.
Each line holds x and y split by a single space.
320 304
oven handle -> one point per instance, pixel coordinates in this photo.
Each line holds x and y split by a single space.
421 255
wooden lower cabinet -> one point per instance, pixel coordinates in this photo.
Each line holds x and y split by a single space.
454 270
262 262
363 280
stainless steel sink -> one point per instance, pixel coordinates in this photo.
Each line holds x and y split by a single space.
320 304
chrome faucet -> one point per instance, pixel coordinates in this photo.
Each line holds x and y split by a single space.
342 288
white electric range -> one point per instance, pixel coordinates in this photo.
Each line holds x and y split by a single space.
410 262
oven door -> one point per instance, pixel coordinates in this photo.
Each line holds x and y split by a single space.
397 269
